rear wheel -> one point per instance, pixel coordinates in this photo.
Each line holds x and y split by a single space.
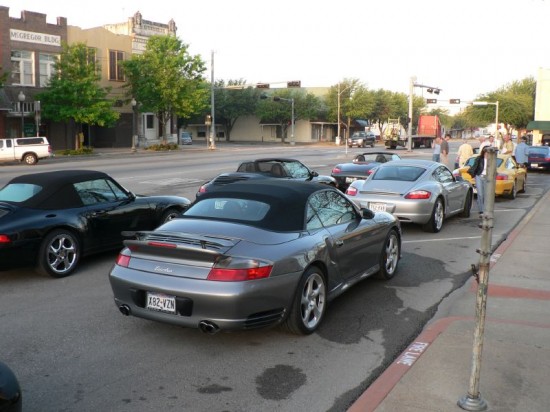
170 214
59 254
435 223
513 191
30 159
389 258
522 190
309 303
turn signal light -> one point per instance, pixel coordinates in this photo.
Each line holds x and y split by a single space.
352 191
238 275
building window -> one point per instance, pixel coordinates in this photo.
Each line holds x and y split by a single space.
150 121
22 67
115 65
47 68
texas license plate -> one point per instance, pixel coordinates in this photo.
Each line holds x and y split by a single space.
161 302
534 165
377 207
350 179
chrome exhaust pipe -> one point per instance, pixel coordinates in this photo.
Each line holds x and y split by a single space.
208 327
125 310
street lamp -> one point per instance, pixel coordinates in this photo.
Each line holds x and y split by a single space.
496 114
37 116
134 132
291 100
212 102
21 97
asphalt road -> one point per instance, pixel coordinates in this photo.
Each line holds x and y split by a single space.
73 351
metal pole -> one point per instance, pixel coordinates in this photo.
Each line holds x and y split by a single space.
409 129
37 116
473 400
339 138
292 123
212 111
134 104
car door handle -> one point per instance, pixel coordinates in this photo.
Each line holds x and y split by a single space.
98 213
339 243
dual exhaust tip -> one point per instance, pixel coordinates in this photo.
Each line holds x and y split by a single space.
204 325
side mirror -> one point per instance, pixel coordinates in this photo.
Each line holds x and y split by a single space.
367 213
314 173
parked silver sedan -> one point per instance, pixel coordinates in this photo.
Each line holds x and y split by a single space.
415 191
254 254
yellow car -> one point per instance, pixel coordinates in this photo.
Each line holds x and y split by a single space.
510 180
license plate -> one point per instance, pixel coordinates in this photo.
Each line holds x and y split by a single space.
377 207
534 165
350 179
161 302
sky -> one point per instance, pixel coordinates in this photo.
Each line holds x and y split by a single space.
466 48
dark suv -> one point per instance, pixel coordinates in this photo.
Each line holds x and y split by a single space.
362 139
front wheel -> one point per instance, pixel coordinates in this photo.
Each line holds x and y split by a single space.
435 223
59 254
169 214
309 303
389 258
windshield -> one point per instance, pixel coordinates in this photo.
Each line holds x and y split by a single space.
229 208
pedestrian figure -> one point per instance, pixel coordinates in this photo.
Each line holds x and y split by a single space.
521 152
507 146
445 149
436 155
465 151
479 172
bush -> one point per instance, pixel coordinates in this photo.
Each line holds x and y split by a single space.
72 152
163 147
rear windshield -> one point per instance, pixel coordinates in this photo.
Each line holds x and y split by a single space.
401 173
29 140
539 150
471 160
18 192
229 208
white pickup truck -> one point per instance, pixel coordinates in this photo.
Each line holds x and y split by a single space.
25 149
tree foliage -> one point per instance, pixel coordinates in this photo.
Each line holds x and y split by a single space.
167 80
74 94
269 110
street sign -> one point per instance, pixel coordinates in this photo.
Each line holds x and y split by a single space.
454 101
431 101
294 83
262 86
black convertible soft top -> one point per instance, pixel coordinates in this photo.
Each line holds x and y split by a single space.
57 188
287 200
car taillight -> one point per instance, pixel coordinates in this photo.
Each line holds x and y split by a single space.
123 260
351 191
501 176
336 170
238 275
418 194
5 239
370 172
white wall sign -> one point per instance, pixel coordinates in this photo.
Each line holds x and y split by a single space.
32 37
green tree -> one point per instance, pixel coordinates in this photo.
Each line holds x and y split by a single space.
232 101
306 106
167 80
74 94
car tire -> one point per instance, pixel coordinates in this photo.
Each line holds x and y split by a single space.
169 214
467 205
523 186
30 159
435 223
59 253
310 303
513 192
389 256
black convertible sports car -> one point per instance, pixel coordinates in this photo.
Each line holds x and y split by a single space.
51 219
268 168
363 165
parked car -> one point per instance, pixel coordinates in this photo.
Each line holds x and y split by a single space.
253 254
511 178
278 168
186 138
27 150
362 139
415 191
11 397
538 158
362 165
52 219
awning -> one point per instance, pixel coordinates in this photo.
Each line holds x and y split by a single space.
538 125
362 123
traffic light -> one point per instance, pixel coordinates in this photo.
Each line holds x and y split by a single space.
431 101
294 83
262 86
454 101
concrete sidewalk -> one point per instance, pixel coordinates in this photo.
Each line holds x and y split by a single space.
434 372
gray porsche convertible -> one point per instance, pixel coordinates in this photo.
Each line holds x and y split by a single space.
254 254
